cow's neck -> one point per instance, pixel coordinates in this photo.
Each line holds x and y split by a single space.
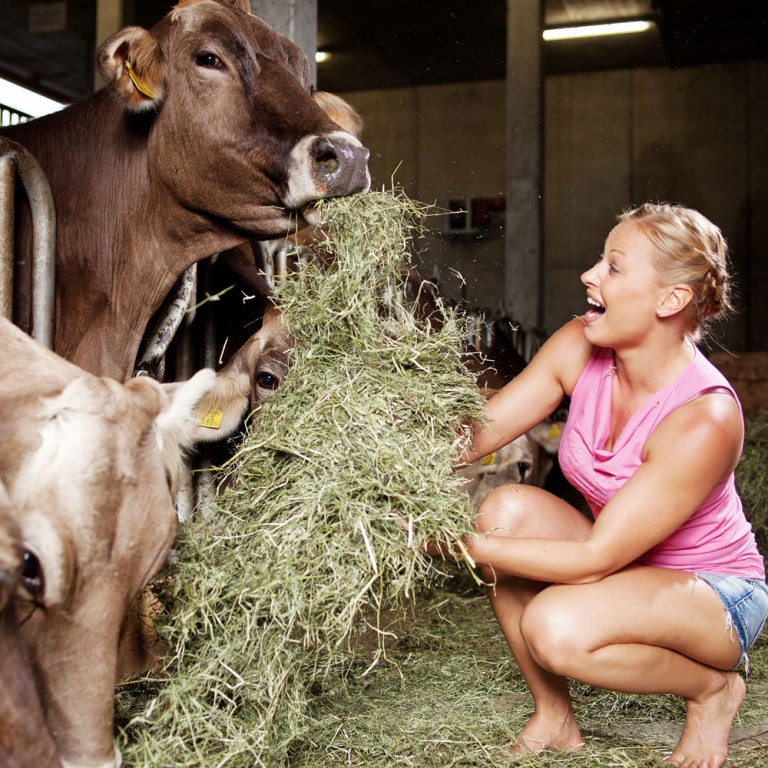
133 239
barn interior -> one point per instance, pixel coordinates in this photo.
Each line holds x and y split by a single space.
528 148
537 144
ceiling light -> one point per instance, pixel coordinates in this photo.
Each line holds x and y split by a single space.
322 56
21 99
596 30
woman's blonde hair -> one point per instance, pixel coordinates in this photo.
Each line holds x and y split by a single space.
689 249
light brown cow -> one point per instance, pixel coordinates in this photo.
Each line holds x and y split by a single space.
205 136
252 374
89 465
528 459
24 738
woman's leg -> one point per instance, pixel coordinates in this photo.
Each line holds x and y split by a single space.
530 512
646 630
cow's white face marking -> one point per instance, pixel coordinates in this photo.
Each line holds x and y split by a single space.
313 166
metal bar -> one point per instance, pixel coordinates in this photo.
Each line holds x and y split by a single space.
7 191
43 239
156 344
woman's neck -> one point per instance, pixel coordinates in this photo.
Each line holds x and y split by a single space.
649 368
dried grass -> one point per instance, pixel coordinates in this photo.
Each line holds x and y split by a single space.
345 473
451 695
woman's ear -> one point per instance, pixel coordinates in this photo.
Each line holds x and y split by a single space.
674 299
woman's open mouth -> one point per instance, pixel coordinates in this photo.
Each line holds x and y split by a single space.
595 311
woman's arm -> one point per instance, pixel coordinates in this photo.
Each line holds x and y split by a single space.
694 448
533 394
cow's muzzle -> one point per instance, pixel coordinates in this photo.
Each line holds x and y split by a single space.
340 165
332 165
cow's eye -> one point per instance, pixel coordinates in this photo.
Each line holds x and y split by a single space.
32 575
267 381
209 60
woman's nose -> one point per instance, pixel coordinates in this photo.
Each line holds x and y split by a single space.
590 276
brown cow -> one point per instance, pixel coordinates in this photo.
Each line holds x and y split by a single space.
89 464
24 738
251 267
251 375
206 136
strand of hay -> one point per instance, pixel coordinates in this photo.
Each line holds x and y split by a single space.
339 481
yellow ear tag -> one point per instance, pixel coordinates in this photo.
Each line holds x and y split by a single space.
486 461
554 431
210 419
138 82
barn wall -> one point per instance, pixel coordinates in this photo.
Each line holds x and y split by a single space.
611 139
429 139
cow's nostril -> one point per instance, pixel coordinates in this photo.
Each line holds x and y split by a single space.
326 161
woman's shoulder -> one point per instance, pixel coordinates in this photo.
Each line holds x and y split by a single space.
708 425
567 353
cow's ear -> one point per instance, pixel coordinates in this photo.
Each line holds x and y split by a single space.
176 423
182 405
131 61
222 409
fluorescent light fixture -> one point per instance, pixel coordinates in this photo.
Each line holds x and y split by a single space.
597 30
24 100
321 56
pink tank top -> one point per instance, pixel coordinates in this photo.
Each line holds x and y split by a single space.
717 538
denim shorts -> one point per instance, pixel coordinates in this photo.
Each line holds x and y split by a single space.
746 607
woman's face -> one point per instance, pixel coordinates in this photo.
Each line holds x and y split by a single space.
623 289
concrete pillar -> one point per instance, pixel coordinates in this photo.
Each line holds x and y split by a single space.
109 19
525 136
296 19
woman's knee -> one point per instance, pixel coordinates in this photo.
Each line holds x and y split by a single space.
554 636
504 508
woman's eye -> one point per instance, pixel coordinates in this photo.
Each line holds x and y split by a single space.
209 60
32 575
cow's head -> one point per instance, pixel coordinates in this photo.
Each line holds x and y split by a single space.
252 374
24 737
89 465
236 135
528 460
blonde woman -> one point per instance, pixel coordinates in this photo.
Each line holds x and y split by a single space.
664 591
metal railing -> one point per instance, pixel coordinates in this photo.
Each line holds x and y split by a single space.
17 162
11 116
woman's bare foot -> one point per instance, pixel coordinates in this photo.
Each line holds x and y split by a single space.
545 733
704 743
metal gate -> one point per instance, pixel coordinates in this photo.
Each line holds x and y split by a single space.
17 163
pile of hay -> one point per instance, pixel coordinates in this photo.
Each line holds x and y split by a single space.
339 481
